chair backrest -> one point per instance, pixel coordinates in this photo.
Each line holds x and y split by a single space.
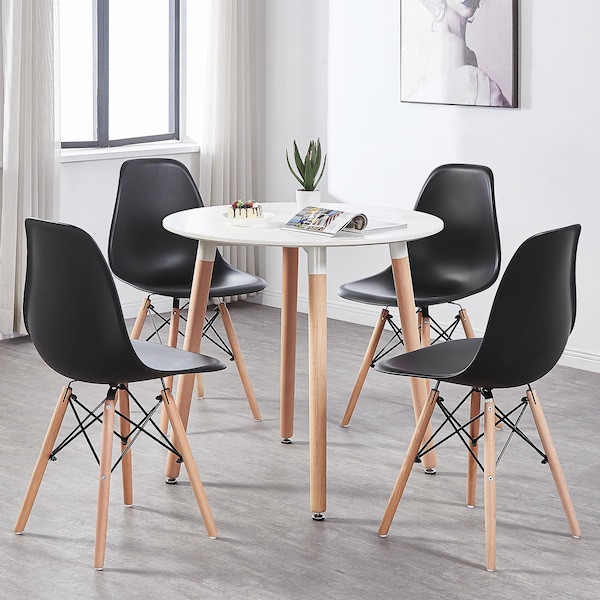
140 250
533 313
71 308
464 258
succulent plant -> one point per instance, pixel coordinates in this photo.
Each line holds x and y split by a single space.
308 171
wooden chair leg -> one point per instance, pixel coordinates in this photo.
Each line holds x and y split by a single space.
239 360
466 323
424 323
553 462
472 465
43 458
489 487
172 341
108 421
140 319
126 462
183 446
365 366
424 327
199 385
409 460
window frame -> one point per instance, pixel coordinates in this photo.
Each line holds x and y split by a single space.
101 84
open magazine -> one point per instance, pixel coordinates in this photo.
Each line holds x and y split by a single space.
329 221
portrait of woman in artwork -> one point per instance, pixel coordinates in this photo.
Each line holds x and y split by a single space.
445 68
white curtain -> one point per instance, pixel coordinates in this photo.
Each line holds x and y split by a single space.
30 147
226 107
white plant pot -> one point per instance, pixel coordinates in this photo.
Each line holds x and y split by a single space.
304 198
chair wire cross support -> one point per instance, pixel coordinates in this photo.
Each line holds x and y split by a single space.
130 430
470 436
396 339
209 330
530 321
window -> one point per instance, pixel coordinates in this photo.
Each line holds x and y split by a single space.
119 66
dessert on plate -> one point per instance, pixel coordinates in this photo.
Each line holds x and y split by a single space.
245 210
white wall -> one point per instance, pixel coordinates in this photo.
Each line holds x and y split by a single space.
296 63
346 79
332 70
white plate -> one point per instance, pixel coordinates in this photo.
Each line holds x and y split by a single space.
248 222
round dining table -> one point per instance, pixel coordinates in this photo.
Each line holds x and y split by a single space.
211 228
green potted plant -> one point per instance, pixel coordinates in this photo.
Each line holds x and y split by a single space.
308 172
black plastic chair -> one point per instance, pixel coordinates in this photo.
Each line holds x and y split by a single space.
530 322
144 254
462 260
74 318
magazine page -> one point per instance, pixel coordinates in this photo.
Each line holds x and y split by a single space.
327 221
374 225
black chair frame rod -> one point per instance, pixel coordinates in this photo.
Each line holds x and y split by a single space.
441 332
460 429
209 331
94 416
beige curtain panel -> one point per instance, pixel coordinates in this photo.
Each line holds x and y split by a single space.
225 127
30 144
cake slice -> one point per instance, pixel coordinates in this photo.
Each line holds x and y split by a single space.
245 210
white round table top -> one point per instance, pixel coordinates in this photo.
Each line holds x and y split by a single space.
210 224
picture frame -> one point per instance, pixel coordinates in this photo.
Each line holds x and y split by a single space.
460 52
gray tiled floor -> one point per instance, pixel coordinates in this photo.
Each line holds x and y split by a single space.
269 547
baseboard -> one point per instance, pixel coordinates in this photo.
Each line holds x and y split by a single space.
579 359
160 304
364 314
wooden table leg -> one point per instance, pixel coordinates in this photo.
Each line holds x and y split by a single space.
408 320
317 379
193 335
289 310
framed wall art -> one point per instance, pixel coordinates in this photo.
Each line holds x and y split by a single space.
461 52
